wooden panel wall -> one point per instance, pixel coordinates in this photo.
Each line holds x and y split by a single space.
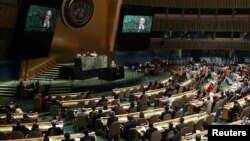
191 3
8 13
225 44
201 24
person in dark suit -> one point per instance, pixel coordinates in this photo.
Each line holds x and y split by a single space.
86 136
198 137
235 110
46 22
9 119
54 130
103 99
215 99
111 119
141 120
35 127
165 112
45 138
176 137
148 132
141 26
96 117
222 95
67 137
181 125
21 128
132 105
170 128
131 123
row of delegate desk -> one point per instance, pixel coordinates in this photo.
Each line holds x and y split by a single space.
226 108
147 113
75 136
161 126
149 93
72 95
68 103
19 116
116 91
44 126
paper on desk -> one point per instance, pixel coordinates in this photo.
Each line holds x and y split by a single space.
143 128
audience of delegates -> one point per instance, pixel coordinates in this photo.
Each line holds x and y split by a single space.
21 128
86 136
35 127
176 109
67 137
117 108
181 125
170 128
102 100
26 119
204 74
132 105
247 103
9 119
198 137
235 110
97 116
149 132
210 88
205 103
111 119
18 109
131 123
165 112
176 137
54 130
141 120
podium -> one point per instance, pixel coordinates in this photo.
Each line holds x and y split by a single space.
112 73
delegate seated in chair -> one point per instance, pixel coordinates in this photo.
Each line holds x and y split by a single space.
235 110
86 136
131 123
149 132
181 125
54 130
111 119
176 136
67 137
21 128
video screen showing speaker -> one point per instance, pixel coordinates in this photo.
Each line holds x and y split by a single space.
34 30
137 24
41 19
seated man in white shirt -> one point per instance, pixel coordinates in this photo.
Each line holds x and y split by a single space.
169 100
18 109
113 64
94 54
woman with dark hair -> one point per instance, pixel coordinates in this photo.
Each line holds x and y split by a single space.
141 121
35 127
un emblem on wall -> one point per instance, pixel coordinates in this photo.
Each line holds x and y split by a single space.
77 13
